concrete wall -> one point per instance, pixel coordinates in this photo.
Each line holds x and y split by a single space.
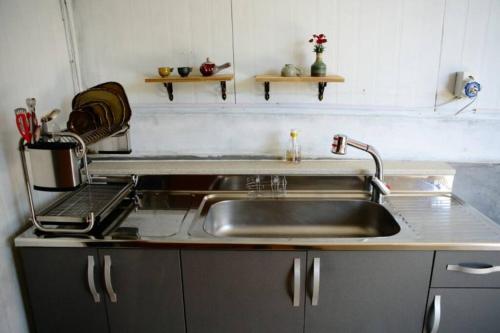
398 58
33 63
478 185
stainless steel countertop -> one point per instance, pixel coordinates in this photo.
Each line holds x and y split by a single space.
431 221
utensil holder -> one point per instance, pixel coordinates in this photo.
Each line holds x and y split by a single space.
55 165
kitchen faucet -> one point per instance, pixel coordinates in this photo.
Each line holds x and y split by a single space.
339 145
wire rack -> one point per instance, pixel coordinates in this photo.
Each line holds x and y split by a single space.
98 199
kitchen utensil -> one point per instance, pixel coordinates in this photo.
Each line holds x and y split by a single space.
81 121
208 68
118 89
102 114
43 129
184 71
112 100
23 122
165 71
34 126
50 116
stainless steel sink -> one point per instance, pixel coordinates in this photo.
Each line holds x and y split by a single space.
297 218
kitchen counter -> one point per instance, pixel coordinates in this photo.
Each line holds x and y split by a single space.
429 216
441 222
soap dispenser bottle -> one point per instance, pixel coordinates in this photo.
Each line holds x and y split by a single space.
293 151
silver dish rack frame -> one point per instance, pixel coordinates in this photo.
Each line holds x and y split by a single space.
85 206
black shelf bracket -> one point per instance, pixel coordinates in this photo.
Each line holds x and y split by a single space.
223 89
321 90
170 90
266 90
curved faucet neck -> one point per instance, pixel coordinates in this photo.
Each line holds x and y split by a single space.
379 167
377 181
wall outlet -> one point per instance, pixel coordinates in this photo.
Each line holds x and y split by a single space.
466 85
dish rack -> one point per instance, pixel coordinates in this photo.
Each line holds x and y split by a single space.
101 141
61 165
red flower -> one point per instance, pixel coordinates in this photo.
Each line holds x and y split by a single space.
319 39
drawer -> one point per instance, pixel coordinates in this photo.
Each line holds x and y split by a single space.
474 269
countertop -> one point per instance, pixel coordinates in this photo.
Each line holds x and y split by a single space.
430 217
436 222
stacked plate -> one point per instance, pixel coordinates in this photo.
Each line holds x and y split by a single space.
99 112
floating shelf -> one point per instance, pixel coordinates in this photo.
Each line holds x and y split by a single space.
169 80
320 80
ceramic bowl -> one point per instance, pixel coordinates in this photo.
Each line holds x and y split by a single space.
165 71
184 71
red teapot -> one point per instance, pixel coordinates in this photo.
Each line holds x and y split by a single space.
208 68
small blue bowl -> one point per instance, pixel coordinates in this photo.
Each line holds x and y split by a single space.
184 71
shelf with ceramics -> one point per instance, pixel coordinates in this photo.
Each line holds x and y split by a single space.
208 70
293 74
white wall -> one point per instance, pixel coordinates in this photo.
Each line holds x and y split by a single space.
397 57
33 63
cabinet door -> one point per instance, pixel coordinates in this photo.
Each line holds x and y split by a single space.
59 288
148 289
368 291
464 310
244 291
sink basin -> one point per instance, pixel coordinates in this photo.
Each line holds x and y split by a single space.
299 219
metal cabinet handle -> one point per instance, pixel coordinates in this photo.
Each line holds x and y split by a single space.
435 315
90 279
315 289
107 279
296 282
487 269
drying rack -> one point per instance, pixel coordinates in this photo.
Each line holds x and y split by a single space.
77 211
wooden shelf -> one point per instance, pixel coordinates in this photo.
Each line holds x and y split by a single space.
169 80
314 79
320 80
190 78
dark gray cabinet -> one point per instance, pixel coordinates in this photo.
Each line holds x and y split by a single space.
244 291
116 291
225 291
466 310
59 293
465 294
148 288
367 291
